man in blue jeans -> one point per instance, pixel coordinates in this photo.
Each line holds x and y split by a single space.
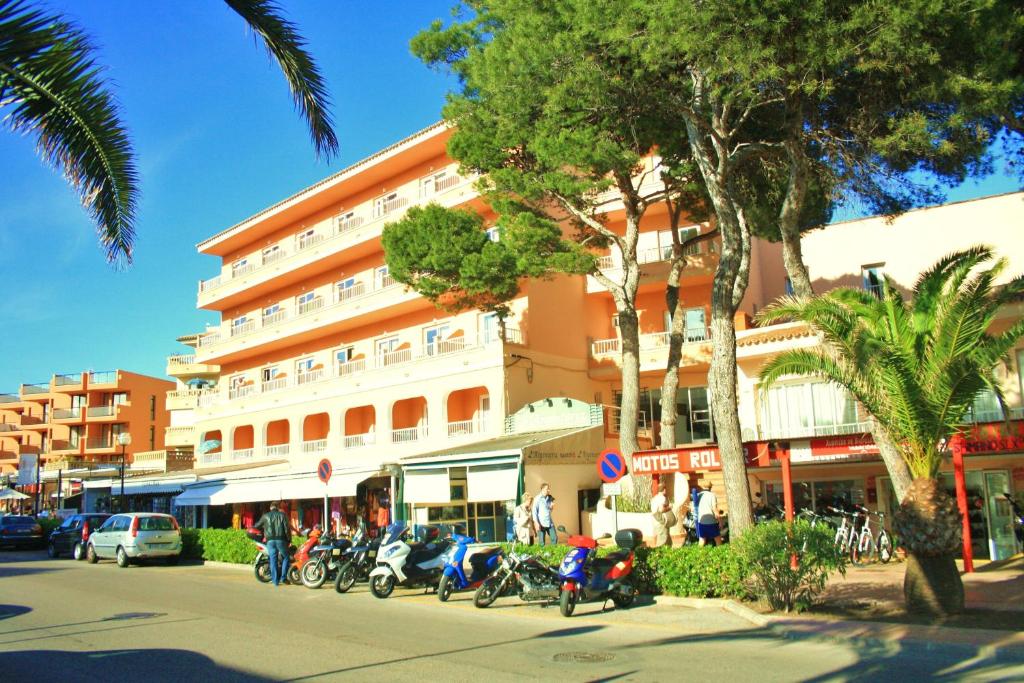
275 530
542 506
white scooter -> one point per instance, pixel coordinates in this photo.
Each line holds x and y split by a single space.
407 564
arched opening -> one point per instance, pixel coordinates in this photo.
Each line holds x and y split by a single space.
242 442
360 426
210 447
314 433
277 438
409 420
468 411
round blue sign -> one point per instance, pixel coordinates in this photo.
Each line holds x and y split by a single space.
323 471
611 466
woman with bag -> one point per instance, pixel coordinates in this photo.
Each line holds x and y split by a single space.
664 517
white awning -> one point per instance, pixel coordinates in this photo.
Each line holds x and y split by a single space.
492 482
259 490
427 486
140 487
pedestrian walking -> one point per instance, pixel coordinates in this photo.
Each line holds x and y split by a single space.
542 508
523 518
708 522
664 517
275 529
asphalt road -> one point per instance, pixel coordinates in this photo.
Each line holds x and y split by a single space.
70 621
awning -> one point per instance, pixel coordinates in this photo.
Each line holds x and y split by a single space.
427 486
492 482
298 486
135 488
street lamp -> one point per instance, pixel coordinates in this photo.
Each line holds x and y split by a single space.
125 439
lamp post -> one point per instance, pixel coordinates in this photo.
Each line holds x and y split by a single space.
125 439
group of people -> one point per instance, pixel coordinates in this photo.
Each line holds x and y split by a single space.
704 506
533 519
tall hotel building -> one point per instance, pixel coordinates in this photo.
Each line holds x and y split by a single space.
421 414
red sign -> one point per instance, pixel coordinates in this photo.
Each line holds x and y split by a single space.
323 470
684 460
846 444
611 466
997 437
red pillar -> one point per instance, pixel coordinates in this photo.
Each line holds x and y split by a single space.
961 499
787 485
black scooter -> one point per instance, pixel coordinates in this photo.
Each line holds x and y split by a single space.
324 561
357 562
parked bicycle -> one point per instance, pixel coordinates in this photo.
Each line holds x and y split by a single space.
872 544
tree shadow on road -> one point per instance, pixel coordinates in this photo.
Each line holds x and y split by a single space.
149 665
8 611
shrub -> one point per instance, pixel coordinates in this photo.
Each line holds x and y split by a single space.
221 545
48 524
768 549
704 572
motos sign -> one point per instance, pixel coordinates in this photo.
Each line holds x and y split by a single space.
705 459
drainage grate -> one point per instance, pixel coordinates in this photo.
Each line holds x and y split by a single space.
583 657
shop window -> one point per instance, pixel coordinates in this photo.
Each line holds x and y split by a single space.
818 495
808 409
874 279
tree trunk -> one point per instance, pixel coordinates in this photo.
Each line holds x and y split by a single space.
670 385
899 473
629 409
789 220
932 585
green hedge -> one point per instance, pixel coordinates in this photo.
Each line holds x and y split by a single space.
221 545
708 572
48 524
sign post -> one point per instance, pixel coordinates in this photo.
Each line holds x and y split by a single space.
611 467
323 473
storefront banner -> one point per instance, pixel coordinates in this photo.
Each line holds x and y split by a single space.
998 437
685 460
841 447
492 482
576 448
427 486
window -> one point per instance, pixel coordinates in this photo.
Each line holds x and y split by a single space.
693 413
119 399
307 238
348 221
304 298
75 436
492 234
615 321
271 373
238 323
152 438
387 351
155 524
386 204
272 253
344 355
381 277
433 339
272 314
489 330
304 365
437 182
240 266
78 401
694 325
874 279
308 302
152 407
346 288
808 409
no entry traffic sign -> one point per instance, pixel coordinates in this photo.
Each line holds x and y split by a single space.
611 466
323 470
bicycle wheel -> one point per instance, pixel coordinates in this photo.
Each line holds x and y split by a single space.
868 548
853 548
884 547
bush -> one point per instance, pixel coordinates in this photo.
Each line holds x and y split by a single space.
48 524
768 550
221 545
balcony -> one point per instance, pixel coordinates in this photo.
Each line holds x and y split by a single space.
149 461
105 377
9 398
207 459
360 440
242 454
184 399
314 446
409 434
63 445
696 350
278 451
9 427
185 365
331 236
68 381
244 327
100 444
460 428
180 436
777 432
982 416
39 388
100 412
701 260
67 413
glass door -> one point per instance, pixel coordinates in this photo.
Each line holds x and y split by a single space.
1002 542
696 327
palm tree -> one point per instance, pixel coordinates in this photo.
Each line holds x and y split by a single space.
51 88
916 366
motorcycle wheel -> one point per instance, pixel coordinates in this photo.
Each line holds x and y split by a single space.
624 600
346 578
314 573
445 588
382 586
294 575
567 602
488 592
262 571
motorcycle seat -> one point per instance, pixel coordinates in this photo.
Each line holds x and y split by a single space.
480 559
605 563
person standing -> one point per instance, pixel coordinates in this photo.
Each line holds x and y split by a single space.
275 529
523 518
708 523
542 508
664 518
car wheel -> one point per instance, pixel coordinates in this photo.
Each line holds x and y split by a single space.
51 550
122 558
90 554
78 552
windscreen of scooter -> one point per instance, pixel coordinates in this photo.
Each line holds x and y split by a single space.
394 532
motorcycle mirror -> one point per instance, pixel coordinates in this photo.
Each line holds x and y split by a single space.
561 528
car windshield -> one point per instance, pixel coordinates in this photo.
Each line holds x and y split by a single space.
395 532
155 524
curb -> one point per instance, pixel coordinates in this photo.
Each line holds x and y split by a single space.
223 565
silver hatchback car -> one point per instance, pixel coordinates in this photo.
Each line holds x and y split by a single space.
136 535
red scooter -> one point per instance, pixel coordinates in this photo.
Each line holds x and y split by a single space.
296 556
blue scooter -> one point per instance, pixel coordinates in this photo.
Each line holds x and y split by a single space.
585 576
454 579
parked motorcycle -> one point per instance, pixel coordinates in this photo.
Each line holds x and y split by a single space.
454 579
358 561
407 564
586 577
325 559
261 563
523 575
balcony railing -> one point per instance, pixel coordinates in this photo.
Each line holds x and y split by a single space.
242 454
360 440
314 304
309 377
408 435
656 254
39 388
314 446
391 205
349 224
443 348
102 411
272 256
772 432
211 458
996 415
308 240
273 384
648 342
239 271
67 413
104 377
8 427
345 293
391 358
99 443
241 391
66 380
241 328
274 318
352 367
462 428
278 451
9 398
182 359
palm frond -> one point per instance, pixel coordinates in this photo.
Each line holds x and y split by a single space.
51 88
283 42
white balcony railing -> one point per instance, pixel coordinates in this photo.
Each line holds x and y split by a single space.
461 427
408 435
443 348
275 384
360 440
309 377
275 317
352 367
274 256
242 454
241 391
211 458
182 359
649 342
314 446
278 451
346 293
238 329
349 223
314 304
308 240
239 271
772 432
391 358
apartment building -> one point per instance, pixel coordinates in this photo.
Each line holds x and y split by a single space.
78 423
819 426
422 414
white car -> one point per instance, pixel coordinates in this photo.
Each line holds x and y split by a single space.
136 535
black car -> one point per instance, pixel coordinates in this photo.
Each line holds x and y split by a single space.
20 530
71 536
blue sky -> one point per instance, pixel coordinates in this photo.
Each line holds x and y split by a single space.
217 140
